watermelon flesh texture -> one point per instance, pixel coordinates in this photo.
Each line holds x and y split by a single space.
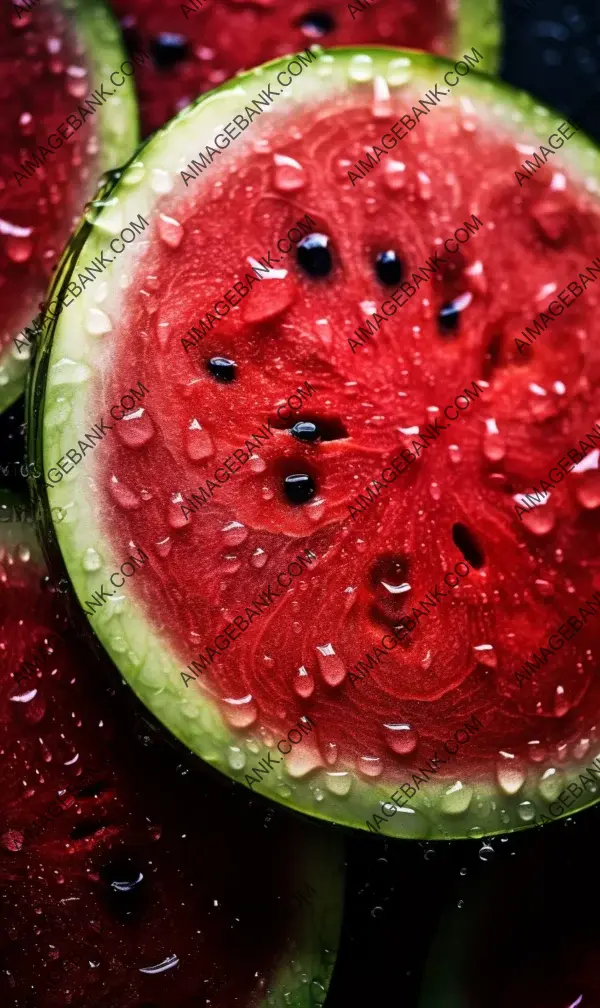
135 895
48 69
456 503
198 46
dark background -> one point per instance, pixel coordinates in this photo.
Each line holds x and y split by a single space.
398 891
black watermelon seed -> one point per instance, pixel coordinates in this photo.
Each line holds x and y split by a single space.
388 267
168 49
468 545
317 23
222 368
314 255
299 488
449 317
305 430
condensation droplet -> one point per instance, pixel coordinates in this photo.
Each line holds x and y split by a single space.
561 704
401 738
494 445
511 776
540 520
381 106
456 799
170 230
234 533
360 68
394 175
135 429
288 174
258 558
97 322
236 758
91 560
338 782
240 712
175 516
303 683
399 71
526 811
163 546
198 442
123 495
587 490
330 665
485 654
256 464
370 766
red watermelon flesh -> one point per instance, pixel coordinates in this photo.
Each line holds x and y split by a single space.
197 46
47 70
456 502
133 894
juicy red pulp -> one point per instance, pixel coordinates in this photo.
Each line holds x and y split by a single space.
140 868
196 53
455 501
43 79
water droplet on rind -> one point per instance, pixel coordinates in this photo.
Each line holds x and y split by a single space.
456 799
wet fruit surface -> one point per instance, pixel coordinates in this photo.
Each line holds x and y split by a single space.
51 154
198 46
118 885
44 74
511 249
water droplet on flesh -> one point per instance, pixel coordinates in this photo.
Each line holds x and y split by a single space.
330 665
240 712
288 175
170 230
303 682
401 738
198 442
234 533
135 429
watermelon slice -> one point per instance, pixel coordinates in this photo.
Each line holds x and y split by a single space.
124 879
199 44
54 56
243 453
484 933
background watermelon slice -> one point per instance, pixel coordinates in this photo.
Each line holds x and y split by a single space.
198 45
124 880
456 504
53 57
488 932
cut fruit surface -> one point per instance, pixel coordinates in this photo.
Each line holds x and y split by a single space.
196 46
277 639
124 881
53 57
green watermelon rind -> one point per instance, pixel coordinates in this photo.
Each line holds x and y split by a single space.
302 980
446 963
117 130
306 963
61 409
479 24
